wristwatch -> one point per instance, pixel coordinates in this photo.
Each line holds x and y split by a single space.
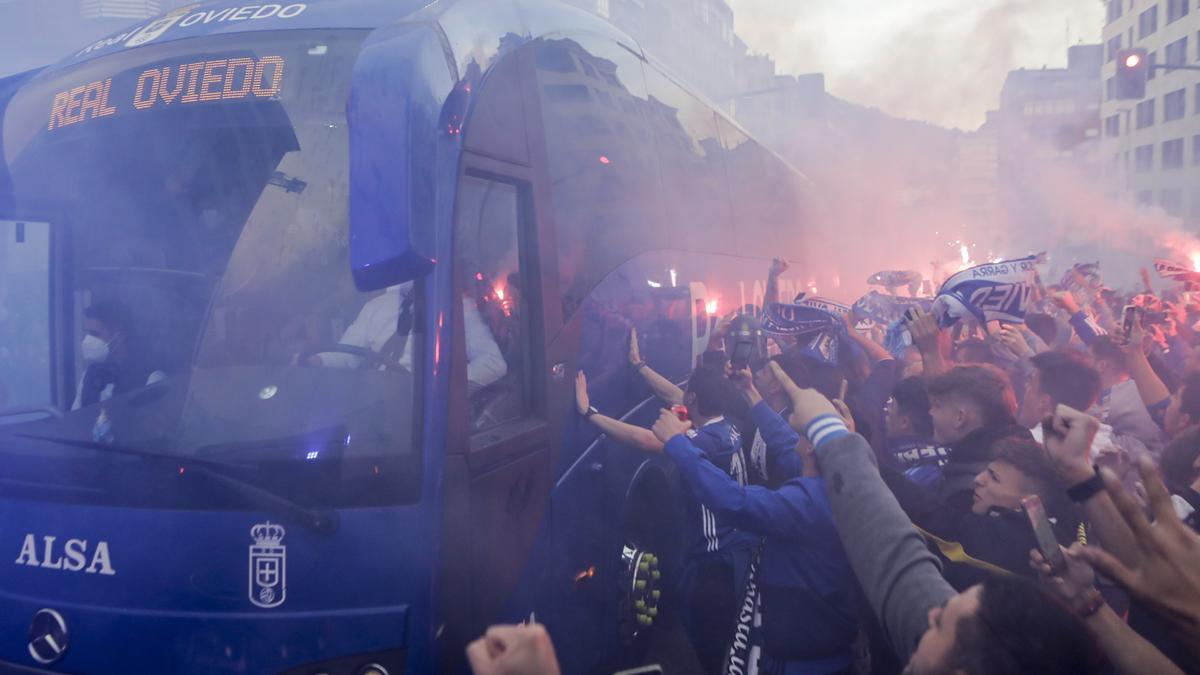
590 411
1081 492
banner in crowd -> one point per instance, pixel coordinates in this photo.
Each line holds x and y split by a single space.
989 292
1082 276
883 309
1175 271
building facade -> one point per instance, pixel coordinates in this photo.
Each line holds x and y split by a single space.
120 9
1151 148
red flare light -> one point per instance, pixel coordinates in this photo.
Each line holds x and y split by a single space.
1133 60
604 159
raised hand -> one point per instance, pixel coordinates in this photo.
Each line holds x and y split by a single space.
1167 577
778 267
513 650
582 402
635 353
1068 438
668 426
1014 341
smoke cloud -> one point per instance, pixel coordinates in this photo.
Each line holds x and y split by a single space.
941 61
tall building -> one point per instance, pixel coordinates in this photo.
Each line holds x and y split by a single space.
1047 139
119 9
1151 148
694 39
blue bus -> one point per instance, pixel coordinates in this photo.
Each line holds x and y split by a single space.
292 299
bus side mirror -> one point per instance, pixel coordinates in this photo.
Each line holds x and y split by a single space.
392 113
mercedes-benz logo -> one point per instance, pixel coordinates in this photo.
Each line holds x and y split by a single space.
47 636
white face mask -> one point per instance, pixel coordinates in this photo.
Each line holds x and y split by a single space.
94 349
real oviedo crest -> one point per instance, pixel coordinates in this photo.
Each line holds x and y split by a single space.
268 565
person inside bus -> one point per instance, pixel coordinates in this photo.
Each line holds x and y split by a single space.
112 363
717 554
384 325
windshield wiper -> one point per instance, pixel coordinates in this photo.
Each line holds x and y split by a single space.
323 521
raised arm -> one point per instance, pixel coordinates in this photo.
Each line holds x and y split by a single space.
875 351
624 432
898 574
1150 386
798 510
930 340
780 439
661 386
1068 442
778 267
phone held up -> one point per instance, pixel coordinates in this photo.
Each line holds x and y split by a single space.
1047 543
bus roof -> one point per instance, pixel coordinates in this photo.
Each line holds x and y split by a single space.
241 16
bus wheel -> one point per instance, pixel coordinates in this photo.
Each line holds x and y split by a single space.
644 581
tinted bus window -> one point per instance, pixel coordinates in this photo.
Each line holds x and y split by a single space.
767 214
25 370
202 191
695 184
603 171
487 242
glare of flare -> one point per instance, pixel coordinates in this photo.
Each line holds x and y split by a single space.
1196 260
674 279
712 307
965 254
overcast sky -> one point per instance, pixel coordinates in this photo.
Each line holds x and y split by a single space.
941 61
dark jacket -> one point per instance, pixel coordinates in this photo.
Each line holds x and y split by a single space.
970 456
971 546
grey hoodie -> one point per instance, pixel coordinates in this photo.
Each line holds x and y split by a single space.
902 580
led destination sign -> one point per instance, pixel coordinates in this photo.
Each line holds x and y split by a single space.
180 84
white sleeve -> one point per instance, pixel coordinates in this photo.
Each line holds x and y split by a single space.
485 363
357 335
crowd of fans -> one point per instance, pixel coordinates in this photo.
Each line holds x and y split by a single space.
875 504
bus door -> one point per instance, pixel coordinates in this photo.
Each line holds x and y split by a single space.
507 382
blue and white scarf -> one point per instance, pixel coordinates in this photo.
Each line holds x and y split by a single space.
990 292
816 323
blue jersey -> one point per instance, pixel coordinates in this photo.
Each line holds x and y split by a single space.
721 444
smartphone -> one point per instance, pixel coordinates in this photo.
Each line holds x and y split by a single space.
1128 317
681 412
1044 534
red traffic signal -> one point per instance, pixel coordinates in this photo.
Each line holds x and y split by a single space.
1132 69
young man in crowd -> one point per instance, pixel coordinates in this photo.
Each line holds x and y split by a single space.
908 444
717 553
1181 469
1183 410
972 407
1123 404
995 537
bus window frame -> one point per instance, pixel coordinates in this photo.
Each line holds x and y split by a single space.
532 430
61 323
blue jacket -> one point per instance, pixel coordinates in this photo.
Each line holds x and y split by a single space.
809 595
773 454
719 443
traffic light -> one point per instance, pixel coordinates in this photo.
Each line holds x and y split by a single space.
1132 68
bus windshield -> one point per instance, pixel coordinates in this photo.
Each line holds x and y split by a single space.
175 276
